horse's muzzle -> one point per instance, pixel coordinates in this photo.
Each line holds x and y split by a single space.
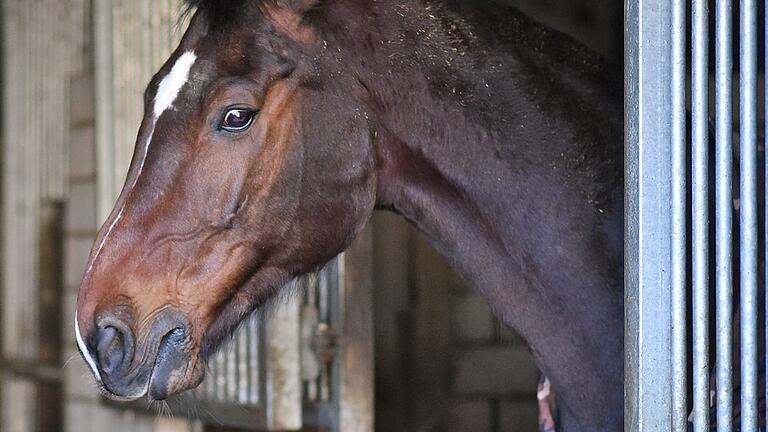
153 362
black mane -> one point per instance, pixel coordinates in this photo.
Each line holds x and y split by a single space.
216 11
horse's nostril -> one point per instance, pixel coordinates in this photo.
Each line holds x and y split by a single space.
111 348
172 341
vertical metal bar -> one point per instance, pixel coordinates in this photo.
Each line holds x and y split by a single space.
765 197
724 214
748 207
648 221
679 219
700 212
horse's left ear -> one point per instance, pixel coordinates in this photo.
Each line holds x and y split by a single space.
288 16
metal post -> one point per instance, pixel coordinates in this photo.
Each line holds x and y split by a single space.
765 193
649 219
700 213
679 219
748 213
724 214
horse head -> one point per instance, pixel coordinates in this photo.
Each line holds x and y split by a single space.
252 166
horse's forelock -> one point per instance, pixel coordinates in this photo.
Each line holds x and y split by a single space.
212 6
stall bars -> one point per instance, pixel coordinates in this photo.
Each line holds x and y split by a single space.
662 238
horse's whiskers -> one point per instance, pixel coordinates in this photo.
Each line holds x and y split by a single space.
68 362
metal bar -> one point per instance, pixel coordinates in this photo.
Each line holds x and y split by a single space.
765 197
679 219
724 214
700 212
748 214
648 222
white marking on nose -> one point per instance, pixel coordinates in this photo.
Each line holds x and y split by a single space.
84 350
167 92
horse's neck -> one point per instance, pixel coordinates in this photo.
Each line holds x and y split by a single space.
521 194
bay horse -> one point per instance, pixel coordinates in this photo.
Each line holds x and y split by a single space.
277 127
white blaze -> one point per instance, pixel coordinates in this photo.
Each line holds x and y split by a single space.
167 92
171 85
84 350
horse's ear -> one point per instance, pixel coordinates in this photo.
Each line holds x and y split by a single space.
288 15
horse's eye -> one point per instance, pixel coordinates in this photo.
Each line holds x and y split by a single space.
237 119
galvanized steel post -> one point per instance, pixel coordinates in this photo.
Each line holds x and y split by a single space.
679 219
724 214
649 223
748 212
700 212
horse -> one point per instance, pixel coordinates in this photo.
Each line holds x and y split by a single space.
277 127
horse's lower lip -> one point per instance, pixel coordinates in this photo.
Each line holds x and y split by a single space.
169 363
